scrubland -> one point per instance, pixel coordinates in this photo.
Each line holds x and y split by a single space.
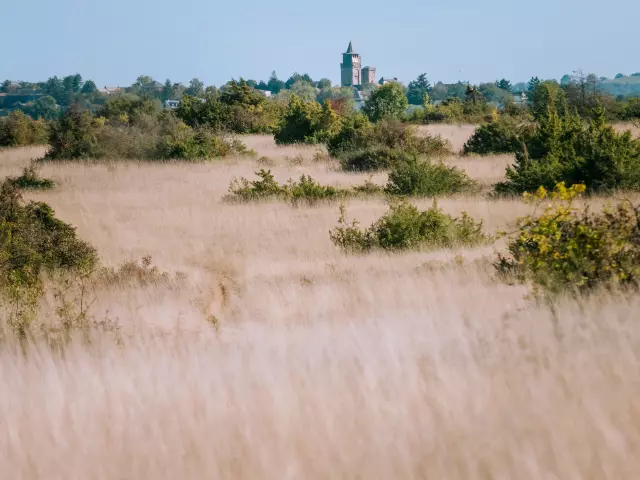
318 364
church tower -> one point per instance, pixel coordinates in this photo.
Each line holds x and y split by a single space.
351 67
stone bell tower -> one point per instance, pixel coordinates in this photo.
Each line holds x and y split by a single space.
351 67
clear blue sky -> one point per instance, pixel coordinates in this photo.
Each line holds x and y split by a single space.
114 41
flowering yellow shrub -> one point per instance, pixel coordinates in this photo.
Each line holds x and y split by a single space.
571 248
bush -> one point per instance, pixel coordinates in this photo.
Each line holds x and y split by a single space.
31 180
563 149
573 249
413 176
128 108
387 101
306 122
305 189
372 159
74 136
354 133
164 137
238 109
19 130
405 227
34 241
496 137
361 146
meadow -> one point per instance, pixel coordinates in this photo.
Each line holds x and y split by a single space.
318 364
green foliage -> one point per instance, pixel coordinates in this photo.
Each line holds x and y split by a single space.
505 85
418 90
372 159
73 136
416 177
34 241
500 136
388 100
238 109
405 227
31 180
306 189
45 108
566 248
162 137
564 149
307 122
354 133
18 130
361 146
545 95
128 108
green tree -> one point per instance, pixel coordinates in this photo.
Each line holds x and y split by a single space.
239 93
324 83
619 75
304 90
196 88
296 77
72 84
493 93
53 86
128 107
74 135
531 86
307 122
89 88
505 85
143 81
46 108
386 101
418 89
545 94
275 85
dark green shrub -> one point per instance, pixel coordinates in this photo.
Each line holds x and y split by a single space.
564 149
306 122
361 146
306 189
74 136
405 227
128 108
265 188
387 101
395 134
31 180
163 137
34 241
355 133
19 130
417 177
570 249
497 137
372 159
238 109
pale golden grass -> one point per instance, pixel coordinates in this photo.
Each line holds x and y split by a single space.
418 365
456 134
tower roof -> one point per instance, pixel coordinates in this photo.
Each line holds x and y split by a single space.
350 48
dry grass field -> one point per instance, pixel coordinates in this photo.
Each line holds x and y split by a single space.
414 365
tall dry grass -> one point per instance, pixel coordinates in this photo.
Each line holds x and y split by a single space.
418 365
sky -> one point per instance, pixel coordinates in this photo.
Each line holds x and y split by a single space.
115 41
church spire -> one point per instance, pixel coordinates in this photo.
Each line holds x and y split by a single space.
350 48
